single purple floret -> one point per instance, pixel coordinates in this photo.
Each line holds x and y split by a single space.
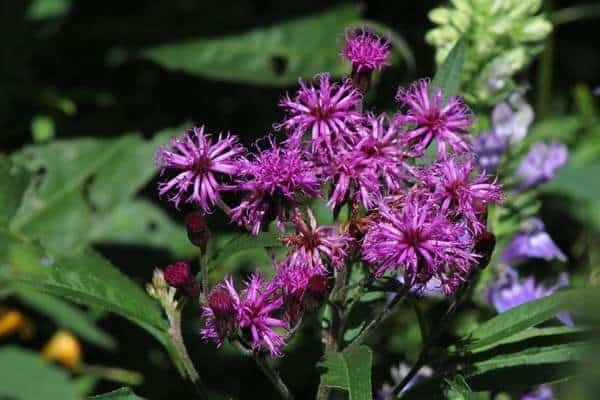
199 159
366 51
258 303
509 292
420 241
272 180
327 111
532 241
488 149
541 163
312 243
460 193
428 117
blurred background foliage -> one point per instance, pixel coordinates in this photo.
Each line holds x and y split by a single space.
89 90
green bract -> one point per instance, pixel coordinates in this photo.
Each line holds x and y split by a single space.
502 37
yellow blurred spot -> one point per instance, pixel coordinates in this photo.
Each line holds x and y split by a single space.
12 321
64 348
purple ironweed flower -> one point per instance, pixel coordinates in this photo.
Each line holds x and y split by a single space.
221 313
273 179
509 292
378 147
312 242
543 392
258 302
458 193
397 374
488 148
541 163
366 51
293 278
430 119
328 111
532 241
512 126
199 159
351 178
419 239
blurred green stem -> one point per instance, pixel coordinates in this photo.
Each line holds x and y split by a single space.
120 375
545 71
575 13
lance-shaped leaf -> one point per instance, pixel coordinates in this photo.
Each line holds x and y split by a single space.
448 75
350 371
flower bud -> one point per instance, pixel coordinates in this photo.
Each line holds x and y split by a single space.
221 304
180 276
197 230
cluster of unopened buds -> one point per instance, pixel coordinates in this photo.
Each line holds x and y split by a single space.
415 215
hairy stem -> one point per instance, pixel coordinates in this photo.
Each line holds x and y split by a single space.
177 339
273 376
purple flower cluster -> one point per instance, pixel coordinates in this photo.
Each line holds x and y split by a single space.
413 217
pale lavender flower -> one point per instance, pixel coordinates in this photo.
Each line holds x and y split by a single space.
199 159
429 118
532 241
459 193
366 51
258 303
543 392
273 179
221 313
420 241
596 91
328 112
312 243
488 148
541 163
511 119
509 292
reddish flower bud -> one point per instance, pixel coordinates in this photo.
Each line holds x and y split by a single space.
220 302
196 229
180 276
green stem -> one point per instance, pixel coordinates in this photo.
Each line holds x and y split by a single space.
545 72
203 276
273 376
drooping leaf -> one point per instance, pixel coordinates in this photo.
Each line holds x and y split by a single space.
66 316
350 371
277 55
448 76
123 393
524 316
26 376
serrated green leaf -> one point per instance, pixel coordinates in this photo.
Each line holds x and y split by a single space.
524 316
350 371
26 376
66 316
448 75
244 242
277 55
124 393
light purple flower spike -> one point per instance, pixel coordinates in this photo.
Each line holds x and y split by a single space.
532 241
198 159
488 148
541 163
272 179
327 111
511 119
428 118
366 51
509 292
543 392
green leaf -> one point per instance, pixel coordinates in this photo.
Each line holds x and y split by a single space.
123 393
66 316
26 376
458 389
277 55
245 242
448 76
578 180
13 181
349 370
524 316
42 9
